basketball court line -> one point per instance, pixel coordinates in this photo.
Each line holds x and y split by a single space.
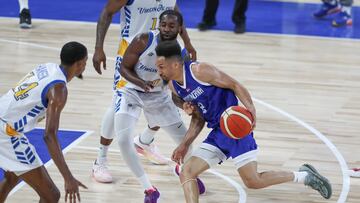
346 179
65 150
195 29
237 186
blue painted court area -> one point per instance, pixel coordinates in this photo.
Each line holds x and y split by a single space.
65 137
263 16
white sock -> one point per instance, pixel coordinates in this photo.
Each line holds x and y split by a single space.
299 177
147 136
145 182
102 153
23 4
346 9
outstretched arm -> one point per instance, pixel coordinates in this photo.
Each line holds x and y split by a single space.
102 27
56 97
210 74
186 39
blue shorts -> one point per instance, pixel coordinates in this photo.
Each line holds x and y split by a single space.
217 147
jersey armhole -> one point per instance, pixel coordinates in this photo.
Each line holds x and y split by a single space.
44 100
193 76
151 37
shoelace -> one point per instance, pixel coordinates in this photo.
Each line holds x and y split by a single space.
101 168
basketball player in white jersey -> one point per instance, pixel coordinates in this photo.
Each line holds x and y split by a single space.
145 91
41 93
137 16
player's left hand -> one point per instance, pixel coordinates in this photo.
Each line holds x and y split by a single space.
253 114
179 153
191 50
72 190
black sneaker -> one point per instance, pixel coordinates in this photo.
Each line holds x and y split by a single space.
25 18
203 26
240 28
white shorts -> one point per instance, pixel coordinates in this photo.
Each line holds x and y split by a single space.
159 109
16 153
213 155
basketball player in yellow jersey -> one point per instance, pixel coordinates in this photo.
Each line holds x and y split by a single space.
41 93
137 16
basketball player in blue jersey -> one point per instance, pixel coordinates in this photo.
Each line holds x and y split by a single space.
41 93
145 91
137 16
207 92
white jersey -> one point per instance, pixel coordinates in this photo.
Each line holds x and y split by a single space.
146 68
23 106
139 16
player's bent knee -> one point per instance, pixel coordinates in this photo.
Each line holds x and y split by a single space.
55 194
187 172
52 196
124 136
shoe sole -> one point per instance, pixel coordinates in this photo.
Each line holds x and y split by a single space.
143 153
348 23
354 173
25 25
332 11
322 178
93 177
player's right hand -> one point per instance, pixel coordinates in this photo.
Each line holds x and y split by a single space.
189 108
148 85
179 153
72 190
98 58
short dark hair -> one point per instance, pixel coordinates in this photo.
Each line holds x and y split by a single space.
172 13
169 49
72 52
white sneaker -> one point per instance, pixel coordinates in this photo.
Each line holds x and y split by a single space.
151 152
100 173
355 172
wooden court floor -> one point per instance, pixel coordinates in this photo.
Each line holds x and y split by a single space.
306 89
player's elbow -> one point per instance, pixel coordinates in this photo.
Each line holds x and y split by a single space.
49 137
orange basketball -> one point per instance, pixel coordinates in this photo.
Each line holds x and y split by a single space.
236 122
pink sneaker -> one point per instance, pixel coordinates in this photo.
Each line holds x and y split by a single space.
355 172
100 173
151 152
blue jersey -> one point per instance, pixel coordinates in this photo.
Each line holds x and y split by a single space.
211 101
